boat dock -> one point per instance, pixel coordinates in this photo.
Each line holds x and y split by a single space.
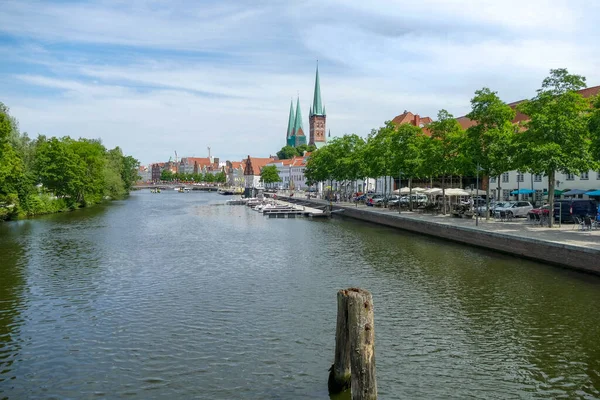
273 208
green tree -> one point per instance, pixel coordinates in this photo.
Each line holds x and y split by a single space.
305 147
60 170
490 143
269 174
166 175
406 147
113 183
209 177
320 166
11 168
287 152
557 136
378 153
221 177
594 128
444 151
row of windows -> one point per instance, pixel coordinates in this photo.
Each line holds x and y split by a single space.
538 177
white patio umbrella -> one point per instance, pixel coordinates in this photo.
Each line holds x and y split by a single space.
476 192
433 191
456 192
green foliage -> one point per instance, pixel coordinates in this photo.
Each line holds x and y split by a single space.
288 152
558 136
490 143
49 175
594 128
166 175
268 174
221 177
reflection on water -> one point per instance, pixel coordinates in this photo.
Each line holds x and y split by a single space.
173 296
12 301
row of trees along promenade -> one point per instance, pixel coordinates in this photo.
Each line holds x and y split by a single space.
562 134
169 176
48 175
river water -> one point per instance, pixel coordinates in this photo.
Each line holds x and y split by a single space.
176 296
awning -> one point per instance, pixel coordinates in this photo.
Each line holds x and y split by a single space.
523 191
575 192
593 193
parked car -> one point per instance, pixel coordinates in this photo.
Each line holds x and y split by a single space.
394 200
360 198
371 201
481 209
574 207
416 198
516 208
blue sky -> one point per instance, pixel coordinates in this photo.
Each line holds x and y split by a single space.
156 77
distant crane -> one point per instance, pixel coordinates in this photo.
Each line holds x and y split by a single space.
175 156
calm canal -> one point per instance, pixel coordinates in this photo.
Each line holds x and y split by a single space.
173 296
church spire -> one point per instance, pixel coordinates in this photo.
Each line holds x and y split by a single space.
298 120
317 107
290 129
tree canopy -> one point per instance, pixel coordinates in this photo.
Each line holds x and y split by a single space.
50 174
269 174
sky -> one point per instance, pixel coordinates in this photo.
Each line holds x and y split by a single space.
159 77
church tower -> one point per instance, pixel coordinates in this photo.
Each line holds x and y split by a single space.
289 139
317 117
298 132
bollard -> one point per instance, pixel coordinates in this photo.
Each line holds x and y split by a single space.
354 364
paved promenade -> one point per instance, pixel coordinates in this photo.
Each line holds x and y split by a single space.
565 245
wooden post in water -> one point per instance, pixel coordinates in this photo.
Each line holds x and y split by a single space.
354 364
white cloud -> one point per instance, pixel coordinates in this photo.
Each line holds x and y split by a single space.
153 78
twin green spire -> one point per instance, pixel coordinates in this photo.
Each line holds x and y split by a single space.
295 126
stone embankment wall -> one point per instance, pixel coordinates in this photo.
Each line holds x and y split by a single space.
559 254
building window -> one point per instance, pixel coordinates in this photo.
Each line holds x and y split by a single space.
570 177
520 177
505 194
493 179
538 195
505 177
598 175
492 193
584 176
537 177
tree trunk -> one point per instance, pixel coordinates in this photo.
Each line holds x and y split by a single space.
487 202
461 182
551 177
362 344
444 194
339 373
410 204
499 188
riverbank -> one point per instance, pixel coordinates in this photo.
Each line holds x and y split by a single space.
563 246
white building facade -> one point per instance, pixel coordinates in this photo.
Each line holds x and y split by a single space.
502 186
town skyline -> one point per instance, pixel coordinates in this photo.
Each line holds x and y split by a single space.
222 75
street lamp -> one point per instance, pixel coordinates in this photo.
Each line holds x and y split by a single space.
399 194
477 194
